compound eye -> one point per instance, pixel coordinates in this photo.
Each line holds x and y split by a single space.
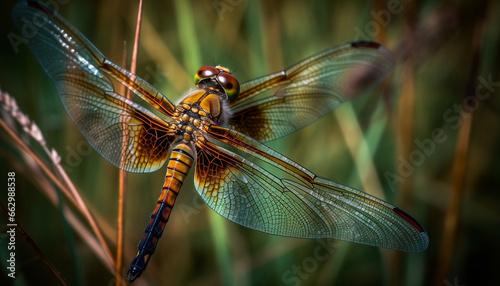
230 84
205 72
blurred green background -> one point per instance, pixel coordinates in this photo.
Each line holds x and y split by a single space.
446 51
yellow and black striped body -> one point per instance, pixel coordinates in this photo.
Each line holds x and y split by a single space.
179 164
200 108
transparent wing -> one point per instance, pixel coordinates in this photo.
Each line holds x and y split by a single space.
125 133
298 203
309 89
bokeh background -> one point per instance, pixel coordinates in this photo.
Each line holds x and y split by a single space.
446 82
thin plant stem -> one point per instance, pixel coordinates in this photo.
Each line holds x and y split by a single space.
122 186
122 193
459 174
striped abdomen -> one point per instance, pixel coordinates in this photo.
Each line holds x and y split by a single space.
180 162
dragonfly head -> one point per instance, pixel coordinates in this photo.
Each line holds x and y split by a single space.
218 77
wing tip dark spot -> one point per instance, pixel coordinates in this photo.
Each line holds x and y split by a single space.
41 7
409 219
366 44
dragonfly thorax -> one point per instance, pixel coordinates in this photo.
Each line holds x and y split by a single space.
201 107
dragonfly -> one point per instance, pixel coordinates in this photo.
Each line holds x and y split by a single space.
219 128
